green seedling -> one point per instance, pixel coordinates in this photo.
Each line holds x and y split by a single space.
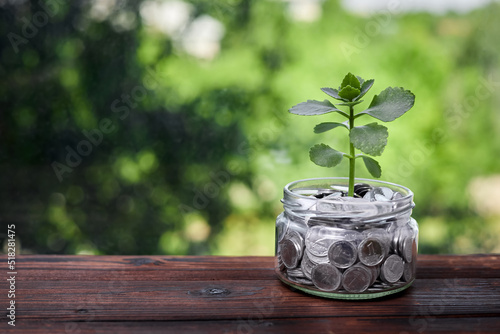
371 138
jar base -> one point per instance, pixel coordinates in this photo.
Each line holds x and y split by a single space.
372 292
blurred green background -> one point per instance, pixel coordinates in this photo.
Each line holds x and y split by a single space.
179 112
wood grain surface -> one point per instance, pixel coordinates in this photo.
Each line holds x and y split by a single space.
208 294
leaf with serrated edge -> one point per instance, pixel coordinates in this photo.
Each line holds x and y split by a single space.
390 104
322 127
365 87
372 166
333 93
325 156
349 92
313 107
370 138
350 80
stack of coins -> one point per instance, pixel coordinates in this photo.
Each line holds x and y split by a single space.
362 258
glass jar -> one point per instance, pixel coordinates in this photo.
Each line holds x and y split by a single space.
334 246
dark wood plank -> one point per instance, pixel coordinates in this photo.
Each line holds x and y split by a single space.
451 293
257 325
149 268
231 299
146 268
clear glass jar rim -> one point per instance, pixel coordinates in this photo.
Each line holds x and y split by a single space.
288 191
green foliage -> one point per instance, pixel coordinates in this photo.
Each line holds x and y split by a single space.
370 138
390 104
148 188
372 166
323 127
325 156
313 107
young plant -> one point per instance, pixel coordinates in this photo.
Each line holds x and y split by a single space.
371 138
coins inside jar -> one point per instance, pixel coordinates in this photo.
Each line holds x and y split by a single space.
348 255
326 277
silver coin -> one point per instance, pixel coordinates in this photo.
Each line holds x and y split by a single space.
392 269
281 227
297 272
320 247
408 272
380 198
380 233
316 259
319 238
326 277
291 252
342 254
397 195
407 249
334 195
300 280
374 271
306 265
369 195
279 263
371 251
356 279
295 235
396 240
388 193
352 236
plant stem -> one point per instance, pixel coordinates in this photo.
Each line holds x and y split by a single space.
352 159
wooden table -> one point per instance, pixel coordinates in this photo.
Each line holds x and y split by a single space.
206 294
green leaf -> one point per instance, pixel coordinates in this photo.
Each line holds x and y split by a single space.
349 92
313 107
390 104
370 138
365 87
361 80
325 156
372 166
322 127
333 93
350 104
350 80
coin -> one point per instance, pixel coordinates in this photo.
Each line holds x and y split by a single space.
319 247
319 238
380 233
326 277
384 191
361 189
291 252
356 279
408 272
397 195
306 265
392 269
352 236
323 193
342 254
316 259
279 262
300 280
281 227
407 248
371 251
374 271
297 272
380 198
